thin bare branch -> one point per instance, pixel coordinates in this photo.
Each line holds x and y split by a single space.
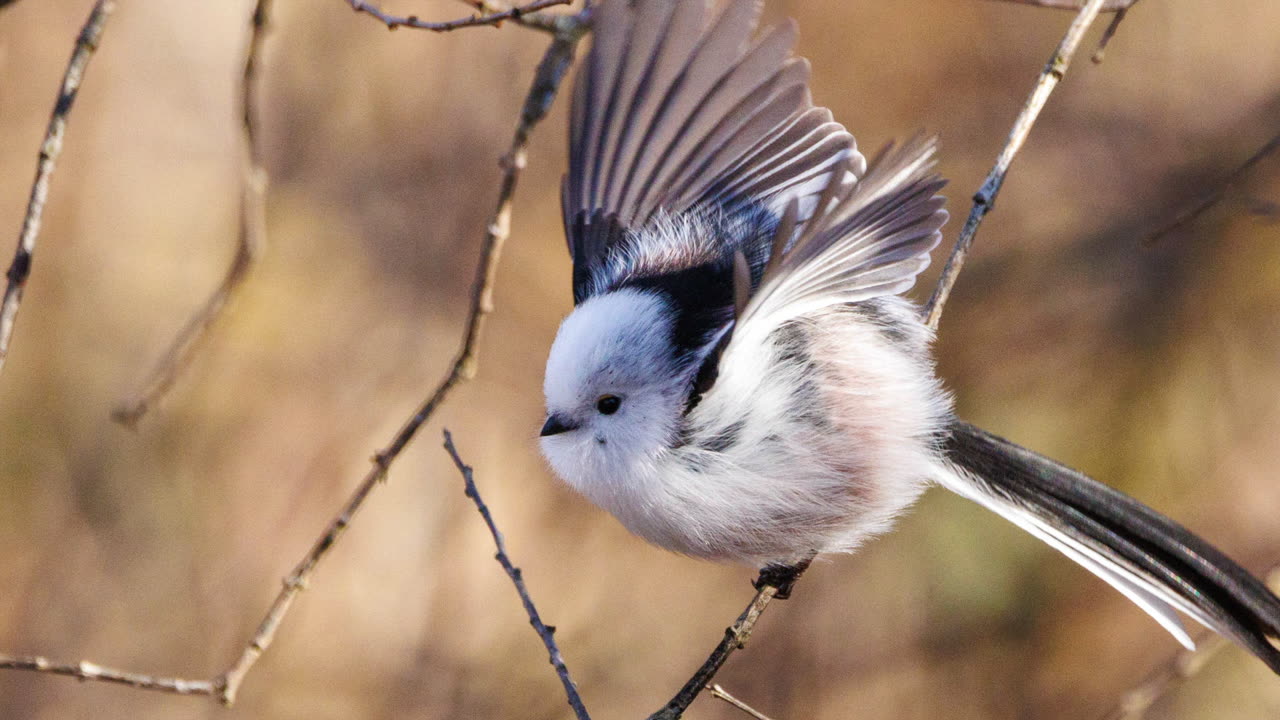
89 671
546 82
1214 196
545 632
489 13
774 582
1100 53
250 240
986 195
225 687
20 269
1107 6
720 693
1183 666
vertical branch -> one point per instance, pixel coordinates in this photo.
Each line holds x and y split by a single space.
50 149
986 195
249 244
545 632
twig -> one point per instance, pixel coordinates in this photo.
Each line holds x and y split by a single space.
546 82
774 582
1107 6
249 244
89 671
489 14
1214 196
769 586
986 195
1183 666
50 149
545 632
720 693
1110 32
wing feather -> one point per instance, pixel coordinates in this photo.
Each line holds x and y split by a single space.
672 112
867 238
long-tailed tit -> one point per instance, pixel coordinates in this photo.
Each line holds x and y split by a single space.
741 378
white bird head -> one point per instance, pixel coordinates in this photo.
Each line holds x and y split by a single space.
615 387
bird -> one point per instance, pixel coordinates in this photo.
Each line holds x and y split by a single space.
742 377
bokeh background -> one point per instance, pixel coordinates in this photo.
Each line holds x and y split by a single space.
1156 369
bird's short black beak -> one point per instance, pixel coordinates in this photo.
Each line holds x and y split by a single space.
556 425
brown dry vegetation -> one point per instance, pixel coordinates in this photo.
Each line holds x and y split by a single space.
1155 369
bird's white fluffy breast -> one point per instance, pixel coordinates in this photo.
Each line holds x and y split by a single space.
811 441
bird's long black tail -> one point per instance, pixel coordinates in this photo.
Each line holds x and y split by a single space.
1154 561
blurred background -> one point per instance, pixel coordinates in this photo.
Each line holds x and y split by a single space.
1153 368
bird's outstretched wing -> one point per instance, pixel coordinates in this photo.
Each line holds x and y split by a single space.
672 112
866 239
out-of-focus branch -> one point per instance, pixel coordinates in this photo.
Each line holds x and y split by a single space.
546 83
1107 5
774 582
250 241
986 195
489 13
1110 32
545 632
1214 196
720 693
20 269
1135 703
1184 665
90 671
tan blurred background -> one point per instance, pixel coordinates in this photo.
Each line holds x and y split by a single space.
1155 369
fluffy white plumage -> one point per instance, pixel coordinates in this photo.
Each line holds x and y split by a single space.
811 441
741 379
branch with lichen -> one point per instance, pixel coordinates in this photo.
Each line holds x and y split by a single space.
23 257
224 687
488 14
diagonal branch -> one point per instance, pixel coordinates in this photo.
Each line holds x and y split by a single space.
1180 668
545 632
774 582
50 149
250 241
771 585
720 693
224 687
1183 666
488 14
985 198
1107 6
1214 196
545 84
90 671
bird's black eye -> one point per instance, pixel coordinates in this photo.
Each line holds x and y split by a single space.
608 404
